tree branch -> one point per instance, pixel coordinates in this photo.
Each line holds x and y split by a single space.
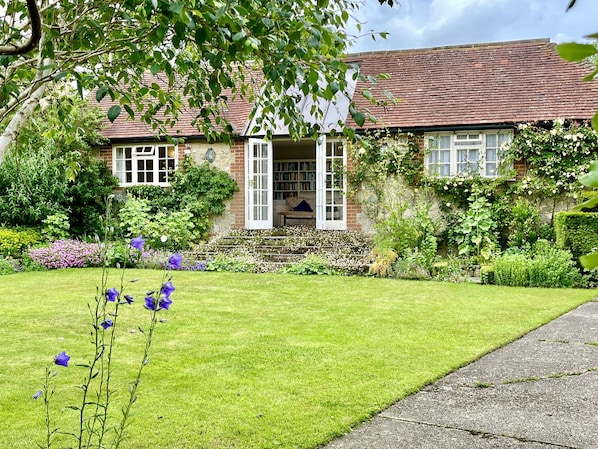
36 33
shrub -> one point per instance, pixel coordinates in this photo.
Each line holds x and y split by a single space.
475 231
544 266
553 267
14 242
67 254
384 260
312 264
56 227
231 264
200 190
171 230
576 232
524 227
8 266
512 270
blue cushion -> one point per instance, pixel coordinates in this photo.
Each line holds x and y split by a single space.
303 206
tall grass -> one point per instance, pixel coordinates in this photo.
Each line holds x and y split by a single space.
257 361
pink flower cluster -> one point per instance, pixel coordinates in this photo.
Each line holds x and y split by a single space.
67 254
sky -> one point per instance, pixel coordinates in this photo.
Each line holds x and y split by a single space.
434 23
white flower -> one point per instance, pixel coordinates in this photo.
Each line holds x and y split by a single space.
163 238
448 204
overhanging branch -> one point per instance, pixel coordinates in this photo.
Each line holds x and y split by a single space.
36 33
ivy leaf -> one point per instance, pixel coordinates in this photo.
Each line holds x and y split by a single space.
113 112
575 52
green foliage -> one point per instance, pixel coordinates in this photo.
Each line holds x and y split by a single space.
8 266
56 227
524 227
590 180
222 262
543 266
312 264
169 230
13 242
53 170
555 157
475 232
109 48
576 232
202 188
198 190
409 226
511 270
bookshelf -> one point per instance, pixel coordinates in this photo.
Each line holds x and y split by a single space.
294 177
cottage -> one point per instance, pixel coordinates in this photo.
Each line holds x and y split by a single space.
461 102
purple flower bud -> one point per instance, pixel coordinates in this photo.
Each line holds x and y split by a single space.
174 261
150 302
62 359
106 324
38 394
111 294
128 299
165 303
138 243
167 289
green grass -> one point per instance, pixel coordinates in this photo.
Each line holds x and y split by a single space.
257 361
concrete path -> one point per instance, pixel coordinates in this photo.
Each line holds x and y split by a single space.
539 392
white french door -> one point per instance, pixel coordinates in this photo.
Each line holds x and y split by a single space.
331 198
258 184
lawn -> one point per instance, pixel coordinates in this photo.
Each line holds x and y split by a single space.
256 361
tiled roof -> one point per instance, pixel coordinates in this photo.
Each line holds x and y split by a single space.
508 82
123 128
495 83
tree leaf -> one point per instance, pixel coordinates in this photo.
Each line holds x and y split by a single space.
101 93
589 204
589 261
575 52
359 118
113 112
591 178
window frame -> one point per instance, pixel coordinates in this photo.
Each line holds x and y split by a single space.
448 154
144 163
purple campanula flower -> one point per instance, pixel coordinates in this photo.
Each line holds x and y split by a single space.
38 394
106 324
111 294
150 302
174 261
165 303
167 289
138 243
62 359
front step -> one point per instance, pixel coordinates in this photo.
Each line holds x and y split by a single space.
271 250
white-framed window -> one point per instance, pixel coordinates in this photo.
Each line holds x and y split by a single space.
144 164
466 153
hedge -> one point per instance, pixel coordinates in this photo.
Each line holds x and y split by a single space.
576 232
13 241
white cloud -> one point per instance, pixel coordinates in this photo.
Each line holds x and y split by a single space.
428 23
